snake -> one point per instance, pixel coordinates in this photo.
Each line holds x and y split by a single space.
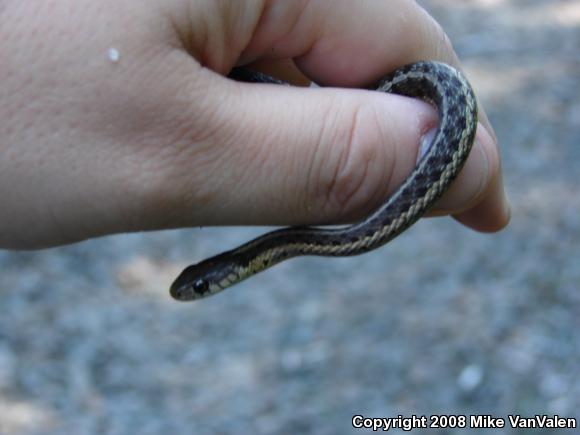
440 85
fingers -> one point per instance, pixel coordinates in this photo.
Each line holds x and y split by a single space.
282 155
488 211
338 44
478 202
290 156
355 48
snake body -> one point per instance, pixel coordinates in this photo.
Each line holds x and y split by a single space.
437 83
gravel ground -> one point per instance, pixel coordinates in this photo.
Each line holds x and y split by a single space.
442 320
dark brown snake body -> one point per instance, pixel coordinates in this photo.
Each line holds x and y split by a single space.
437 83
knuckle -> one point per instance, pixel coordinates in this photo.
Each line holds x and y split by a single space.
432 42
355 165
438 42
445 46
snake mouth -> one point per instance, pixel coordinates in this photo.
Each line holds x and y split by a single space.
182 288
181 292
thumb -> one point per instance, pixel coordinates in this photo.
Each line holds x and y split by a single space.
282 155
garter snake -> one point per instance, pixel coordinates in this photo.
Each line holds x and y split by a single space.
437 83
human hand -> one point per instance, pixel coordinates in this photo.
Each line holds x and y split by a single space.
160 139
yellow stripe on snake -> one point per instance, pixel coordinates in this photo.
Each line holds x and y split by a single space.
437 83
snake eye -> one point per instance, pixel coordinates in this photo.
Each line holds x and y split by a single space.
200 286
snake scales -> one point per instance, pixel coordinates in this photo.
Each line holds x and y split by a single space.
437 83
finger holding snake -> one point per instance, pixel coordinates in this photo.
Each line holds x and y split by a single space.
169 142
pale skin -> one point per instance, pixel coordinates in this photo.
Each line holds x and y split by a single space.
160 139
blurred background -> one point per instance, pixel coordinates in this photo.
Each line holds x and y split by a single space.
442 320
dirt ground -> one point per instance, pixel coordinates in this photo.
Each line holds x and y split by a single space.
441 321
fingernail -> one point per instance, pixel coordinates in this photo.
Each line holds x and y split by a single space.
425 143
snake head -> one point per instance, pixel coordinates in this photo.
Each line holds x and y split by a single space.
203 279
